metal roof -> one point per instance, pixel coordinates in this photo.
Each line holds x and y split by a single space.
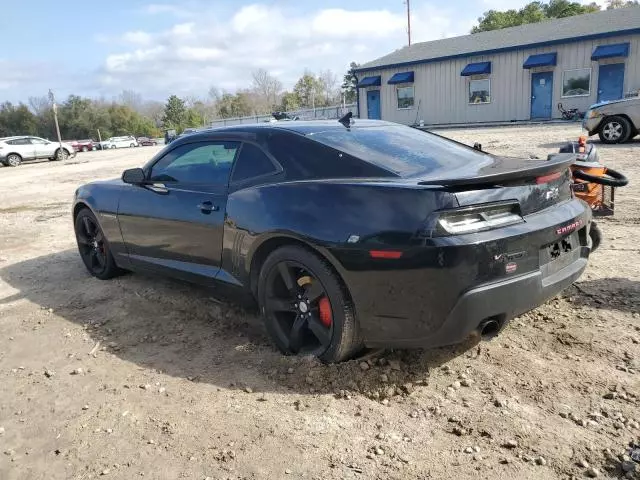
550 32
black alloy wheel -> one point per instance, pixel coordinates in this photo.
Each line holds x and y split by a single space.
305 307
93 246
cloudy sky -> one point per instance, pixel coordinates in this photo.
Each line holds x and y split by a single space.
187 46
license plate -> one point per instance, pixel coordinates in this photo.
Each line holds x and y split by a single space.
559 254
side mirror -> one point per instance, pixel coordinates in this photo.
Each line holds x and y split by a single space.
133 176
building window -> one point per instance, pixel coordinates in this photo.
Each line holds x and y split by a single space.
405 97
480 91
576 83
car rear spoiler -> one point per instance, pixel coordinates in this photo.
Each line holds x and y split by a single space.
504 169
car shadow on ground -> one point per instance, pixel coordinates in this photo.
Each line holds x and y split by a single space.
183 331
614 293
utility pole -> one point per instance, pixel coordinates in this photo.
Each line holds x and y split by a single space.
52 99
409 20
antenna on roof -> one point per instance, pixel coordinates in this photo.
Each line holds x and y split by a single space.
346 119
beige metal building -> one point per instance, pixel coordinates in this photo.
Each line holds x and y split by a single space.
514 74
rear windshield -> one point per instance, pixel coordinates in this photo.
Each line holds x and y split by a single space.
403 150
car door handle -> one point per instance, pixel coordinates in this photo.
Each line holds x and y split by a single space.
207 207
158 188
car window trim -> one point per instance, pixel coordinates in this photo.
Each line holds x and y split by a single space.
250 180
149 168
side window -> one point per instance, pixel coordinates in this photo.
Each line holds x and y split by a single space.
196 163
251 163
303 158
37 141
19 141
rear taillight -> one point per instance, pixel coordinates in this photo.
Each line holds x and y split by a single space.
548 178
479 218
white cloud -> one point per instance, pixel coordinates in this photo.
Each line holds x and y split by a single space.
137 37
344 23
162 8
222 51
183 28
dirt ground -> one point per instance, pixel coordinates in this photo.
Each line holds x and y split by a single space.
145 377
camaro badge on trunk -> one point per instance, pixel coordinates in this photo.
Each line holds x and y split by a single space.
552 193
569 228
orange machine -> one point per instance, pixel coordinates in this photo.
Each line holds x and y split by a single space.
593 182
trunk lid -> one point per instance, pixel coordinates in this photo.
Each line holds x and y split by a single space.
534 184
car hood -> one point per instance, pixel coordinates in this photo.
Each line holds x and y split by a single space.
611 102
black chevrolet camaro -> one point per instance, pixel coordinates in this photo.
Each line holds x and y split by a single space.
352 234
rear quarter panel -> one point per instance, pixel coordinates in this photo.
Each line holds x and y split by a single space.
324 215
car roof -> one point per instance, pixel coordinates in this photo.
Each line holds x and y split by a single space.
304 127
4 139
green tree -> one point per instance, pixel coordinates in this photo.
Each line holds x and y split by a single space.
230 105
531 13
349 83
289 101
17 120
309 90
613 4
174 113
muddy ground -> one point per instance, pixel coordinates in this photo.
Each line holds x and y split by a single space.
145 377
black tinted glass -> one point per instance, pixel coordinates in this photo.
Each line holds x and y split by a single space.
252 162
303 158
403 150
197 163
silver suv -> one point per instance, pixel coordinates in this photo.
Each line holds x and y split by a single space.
614 122
13 150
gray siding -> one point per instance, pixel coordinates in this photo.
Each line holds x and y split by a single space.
441 92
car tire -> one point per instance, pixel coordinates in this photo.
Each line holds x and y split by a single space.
60 155
85 149
614 129
131 145
596 236
94 247
13 160
315 317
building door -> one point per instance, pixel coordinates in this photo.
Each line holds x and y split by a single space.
610 82
373 104
541 94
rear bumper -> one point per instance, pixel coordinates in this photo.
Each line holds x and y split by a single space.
439 293
500 301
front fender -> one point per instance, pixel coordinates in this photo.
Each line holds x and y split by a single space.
102 199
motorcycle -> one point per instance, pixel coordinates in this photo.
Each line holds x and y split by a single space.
571 113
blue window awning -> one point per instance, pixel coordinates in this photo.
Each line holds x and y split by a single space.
481 68
541 60
610 51
404 77
370 82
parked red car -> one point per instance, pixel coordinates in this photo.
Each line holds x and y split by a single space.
82 145
85 145
147 142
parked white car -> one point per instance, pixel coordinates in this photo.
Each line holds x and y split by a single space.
119 142
13 150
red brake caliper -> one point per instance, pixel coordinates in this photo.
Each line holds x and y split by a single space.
325 311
